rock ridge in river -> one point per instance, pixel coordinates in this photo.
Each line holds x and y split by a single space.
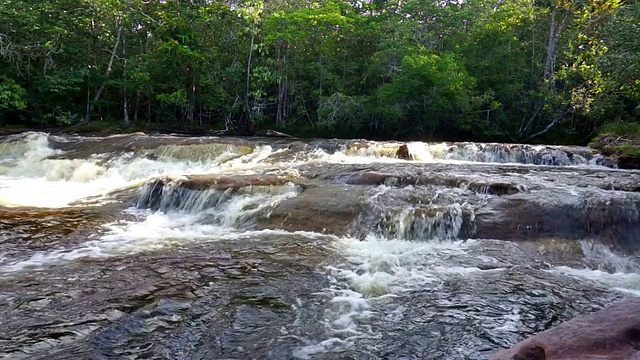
479 202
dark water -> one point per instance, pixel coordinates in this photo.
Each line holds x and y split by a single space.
201 248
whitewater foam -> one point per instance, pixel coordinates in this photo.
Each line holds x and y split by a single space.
623 282
604 266
34 174
154 230
379 266
376 270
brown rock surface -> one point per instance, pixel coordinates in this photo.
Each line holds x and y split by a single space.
223 182
327 209
612 333
611 218
404 153
623 151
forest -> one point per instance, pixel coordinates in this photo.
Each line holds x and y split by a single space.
498 70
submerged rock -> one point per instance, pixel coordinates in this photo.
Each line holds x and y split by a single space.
610 333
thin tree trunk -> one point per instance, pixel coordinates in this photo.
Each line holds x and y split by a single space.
282 109
125 106
192 100
551 46
555 29
135 110
87 118
248 110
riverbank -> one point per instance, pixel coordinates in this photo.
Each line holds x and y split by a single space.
621 143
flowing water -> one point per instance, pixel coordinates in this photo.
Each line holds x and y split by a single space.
171 247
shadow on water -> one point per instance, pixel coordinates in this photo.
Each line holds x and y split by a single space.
225 299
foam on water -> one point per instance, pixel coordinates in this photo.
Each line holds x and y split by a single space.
29 176
462 153
30 145
32 173
375 271
623 282
154 230
381 266
378 270
604 266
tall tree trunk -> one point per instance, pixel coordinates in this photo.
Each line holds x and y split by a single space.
556 27
248 109
136 108
192 100
125 106
87 118
282 106
554 35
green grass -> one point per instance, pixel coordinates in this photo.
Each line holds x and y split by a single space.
625 134
627 150
620 129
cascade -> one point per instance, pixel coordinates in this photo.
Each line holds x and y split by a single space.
144 246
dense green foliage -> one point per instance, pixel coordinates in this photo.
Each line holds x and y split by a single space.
516 70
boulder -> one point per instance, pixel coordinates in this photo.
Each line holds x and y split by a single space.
612 333
404 153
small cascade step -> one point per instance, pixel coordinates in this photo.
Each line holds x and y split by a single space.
220 204
416 214
474 152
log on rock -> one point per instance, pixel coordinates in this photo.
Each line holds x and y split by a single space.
612 333
273 133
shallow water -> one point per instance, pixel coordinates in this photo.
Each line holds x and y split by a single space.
319 249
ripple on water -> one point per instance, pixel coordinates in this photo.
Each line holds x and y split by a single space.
442 300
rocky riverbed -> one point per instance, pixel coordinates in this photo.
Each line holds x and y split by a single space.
144 246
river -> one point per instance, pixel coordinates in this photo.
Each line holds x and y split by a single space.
170 247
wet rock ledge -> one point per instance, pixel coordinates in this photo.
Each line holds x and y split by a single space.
612 333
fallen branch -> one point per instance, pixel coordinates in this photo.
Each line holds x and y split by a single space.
274 133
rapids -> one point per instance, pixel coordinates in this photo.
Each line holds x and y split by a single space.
157 246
